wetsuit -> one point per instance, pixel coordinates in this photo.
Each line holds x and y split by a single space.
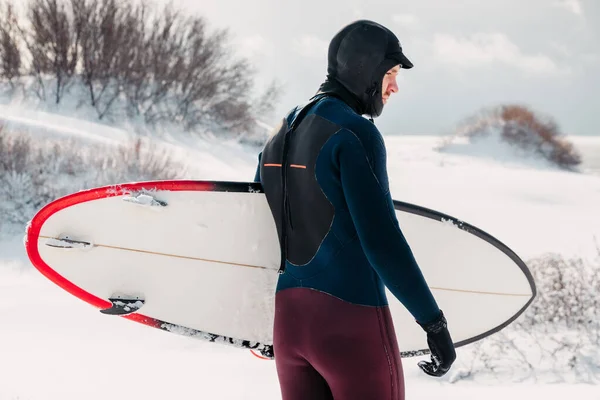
324 176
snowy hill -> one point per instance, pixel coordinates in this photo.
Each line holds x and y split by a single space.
207 157
53 346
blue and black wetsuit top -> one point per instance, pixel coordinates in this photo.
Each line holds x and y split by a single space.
328 191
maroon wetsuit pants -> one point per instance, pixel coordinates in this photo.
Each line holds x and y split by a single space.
326 348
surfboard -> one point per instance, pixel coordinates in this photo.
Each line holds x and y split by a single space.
201 259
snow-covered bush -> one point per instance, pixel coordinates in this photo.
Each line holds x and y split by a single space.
568 293
558 336
521 128
35 172
139 160
130 61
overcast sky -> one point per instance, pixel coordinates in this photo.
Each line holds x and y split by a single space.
467 54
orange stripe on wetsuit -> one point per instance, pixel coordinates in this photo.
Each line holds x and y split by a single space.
291 165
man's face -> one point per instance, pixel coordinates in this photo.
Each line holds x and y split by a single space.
390 85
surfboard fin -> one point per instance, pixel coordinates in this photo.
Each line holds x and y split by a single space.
66 243
144 199
123 306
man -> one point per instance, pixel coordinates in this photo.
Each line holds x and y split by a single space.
324 176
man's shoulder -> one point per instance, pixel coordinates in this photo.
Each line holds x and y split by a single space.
346 118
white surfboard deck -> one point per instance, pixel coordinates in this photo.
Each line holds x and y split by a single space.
204 256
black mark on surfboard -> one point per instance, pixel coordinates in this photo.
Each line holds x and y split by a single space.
67 243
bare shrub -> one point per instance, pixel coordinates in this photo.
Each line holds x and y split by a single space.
35 172
152 64
10 56
167 65
103 31
569 293
15 152
187 74
138 160
17 196
53 44
522 127
158 66
557 337
269 97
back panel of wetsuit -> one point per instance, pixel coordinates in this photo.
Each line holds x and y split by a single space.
310 212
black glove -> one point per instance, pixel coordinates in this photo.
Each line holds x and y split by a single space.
441 346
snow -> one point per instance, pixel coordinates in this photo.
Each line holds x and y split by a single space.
145 200
129 306
54 346
204 157
491 146
532 209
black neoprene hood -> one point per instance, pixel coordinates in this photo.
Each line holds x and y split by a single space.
359 56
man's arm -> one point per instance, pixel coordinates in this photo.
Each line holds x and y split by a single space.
365 184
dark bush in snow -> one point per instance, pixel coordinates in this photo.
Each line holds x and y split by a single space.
521 127
53 46
156 65
10 56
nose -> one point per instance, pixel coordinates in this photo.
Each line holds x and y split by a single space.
393 86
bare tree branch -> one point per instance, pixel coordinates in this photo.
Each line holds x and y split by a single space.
10 57
53 43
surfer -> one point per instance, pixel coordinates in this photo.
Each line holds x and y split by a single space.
324 175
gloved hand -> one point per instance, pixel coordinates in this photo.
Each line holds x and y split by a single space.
441 346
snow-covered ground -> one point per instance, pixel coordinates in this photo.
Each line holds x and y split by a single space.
53 346
533 207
